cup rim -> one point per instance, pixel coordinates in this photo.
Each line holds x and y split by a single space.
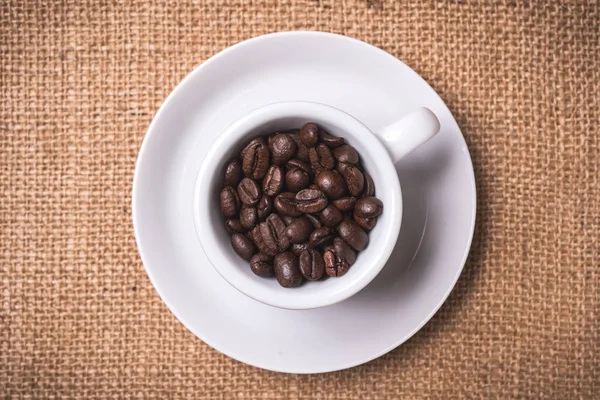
240 128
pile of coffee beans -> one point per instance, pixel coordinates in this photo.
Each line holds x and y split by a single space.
298 205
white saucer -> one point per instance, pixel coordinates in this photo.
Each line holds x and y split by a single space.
437 184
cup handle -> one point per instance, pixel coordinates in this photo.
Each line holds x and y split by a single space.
408 133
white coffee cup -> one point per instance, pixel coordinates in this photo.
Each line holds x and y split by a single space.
378 151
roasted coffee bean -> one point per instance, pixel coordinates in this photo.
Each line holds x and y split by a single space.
233 173
264 207
295 163
369 189
273 233
285 204
354 179
255 158
346 154
273 181
309 134
249 192
297 249
331 216
296 180
321 236
234 225
341 167
258 240
332 184
229 202
287 270
345 203
262 265
314 221
329 140
301 148
248 217
299 230
287 219
282 148
242 246
310 201
353 234
368 207
366 223
339 258
312 265
321 158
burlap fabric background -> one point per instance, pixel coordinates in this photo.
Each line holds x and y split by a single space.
80 83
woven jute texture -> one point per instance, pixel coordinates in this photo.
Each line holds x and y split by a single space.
80 83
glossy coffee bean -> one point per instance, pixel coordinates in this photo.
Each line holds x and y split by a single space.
321 158
285 204
299 230
369 189
316 222
312 265
297 249
301 148
287 270
264 207
233 173
345 203
249 192
331 216
368 207
341 167
262 265
248 217
354 179
242 246
332 184
295 163
309 134
353 234
233 225
273 233
282 148
339 258
320 236
273 181
229 202
346 154
310 201
329 140
296 180
366 223
256 158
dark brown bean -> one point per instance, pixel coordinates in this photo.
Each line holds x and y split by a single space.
366 223
264 207
299 230
320 236
249 192
255 158
309 134
229 202
353 234
233 173
368 207
346 154
273 181
369 189
301 148
262 265
248 217
321 158
329 140
287 270
331 216
339 258
282 148
297 249
296 180
312 265
354 179
295 163
273 234
314 220
345 203
332 184
233 225
310 201
341 167
285 203
242 246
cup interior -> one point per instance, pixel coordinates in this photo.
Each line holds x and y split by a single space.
216 241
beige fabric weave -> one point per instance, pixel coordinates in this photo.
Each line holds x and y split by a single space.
79 84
